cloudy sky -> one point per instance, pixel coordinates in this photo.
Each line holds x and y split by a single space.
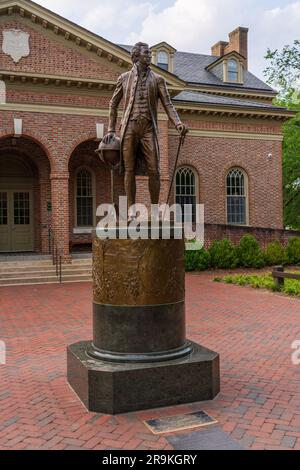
188 25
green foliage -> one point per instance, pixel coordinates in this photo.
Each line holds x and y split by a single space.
223 254
275 254
283 73
265 281
197 260
293 250
291 172
284 69
249 253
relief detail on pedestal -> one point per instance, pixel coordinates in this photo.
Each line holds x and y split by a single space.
16 44
138 272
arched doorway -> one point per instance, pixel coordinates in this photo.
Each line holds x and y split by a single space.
16 205
24 192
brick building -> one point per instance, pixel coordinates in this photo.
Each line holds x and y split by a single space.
56 82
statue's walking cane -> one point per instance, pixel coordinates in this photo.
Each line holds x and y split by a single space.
181 142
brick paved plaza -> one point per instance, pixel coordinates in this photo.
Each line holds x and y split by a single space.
259 403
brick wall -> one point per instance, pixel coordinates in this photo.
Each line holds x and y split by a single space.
234 234
212 158
51 54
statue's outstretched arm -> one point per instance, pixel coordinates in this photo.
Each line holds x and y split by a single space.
167 103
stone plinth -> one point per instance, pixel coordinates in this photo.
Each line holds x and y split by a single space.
112 388
139 356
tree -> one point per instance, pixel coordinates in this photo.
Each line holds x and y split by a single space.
284 74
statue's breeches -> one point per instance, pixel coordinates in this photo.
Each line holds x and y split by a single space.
139 137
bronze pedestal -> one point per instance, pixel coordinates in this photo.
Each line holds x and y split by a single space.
140 357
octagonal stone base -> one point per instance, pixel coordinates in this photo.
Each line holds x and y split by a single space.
112 388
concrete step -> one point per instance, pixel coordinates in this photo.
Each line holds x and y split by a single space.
42 263
23 257
25 269
66 268
44 279
41 271
44 274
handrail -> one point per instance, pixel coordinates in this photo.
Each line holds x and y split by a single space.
56 256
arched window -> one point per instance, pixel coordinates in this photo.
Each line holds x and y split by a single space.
186 194
237 188
84 198
232 70
163 60
2 92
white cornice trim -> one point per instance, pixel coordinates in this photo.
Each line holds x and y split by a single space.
229 135
75 111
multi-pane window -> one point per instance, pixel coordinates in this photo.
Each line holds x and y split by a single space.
3 208
236 197
232 70
21 208
186 194
163 60
2 92
84 198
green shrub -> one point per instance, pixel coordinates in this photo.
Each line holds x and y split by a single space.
275 253
265 281
249 253
293 250
197 260
223 254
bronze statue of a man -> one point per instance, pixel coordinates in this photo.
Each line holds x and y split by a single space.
141 88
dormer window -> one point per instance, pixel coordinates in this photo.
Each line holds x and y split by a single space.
229 68
163 60
232 71
163 56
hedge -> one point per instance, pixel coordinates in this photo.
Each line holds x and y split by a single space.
223 254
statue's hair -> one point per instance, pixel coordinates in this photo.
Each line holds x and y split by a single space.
136 50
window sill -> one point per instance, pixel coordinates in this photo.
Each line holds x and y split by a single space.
82 230
238 225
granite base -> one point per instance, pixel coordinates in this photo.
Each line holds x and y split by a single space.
112 388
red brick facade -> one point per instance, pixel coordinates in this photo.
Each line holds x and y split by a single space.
59 136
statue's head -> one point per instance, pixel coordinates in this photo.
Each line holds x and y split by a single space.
141 53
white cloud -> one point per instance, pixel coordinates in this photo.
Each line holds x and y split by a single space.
116 19
191 25
274 28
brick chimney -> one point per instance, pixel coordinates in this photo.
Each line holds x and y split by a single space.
219 48
238 41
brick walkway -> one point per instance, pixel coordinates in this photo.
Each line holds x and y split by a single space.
259 404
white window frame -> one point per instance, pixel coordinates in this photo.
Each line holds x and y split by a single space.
196 183
93 180
246 196
162 51
240 71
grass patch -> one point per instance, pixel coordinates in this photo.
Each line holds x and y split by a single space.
265 281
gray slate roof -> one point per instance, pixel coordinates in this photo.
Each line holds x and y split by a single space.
205 98
191 68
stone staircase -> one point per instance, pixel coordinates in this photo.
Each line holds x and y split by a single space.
41 271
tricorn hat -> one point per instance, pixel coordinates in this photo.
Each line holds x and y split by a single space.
110 153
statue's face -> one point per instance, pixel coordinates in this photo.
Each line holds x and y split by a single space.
145 56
